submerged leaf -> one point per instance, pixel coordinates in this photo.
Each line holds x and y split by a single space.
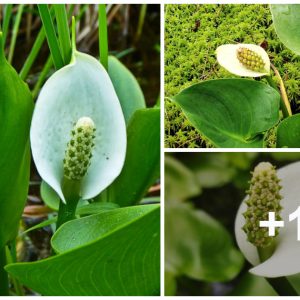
244 59
81 89
285 259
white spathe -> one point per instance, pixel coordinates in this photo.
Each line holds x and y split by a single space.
227 58
80 89
285 259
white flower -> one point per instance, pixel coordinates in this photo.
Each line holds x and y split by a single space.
228 57
285 259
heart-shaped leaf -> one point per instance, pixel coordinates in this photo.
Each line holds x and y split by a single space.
286 20
288 132
127 88
16 107
231 112
115 253
81 89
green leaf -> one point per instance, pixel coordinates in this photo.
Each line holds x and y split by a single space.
231 113
180 182
288 132
80 89
49 196
89 209
51 35
142 163
16 107
117 260
286 20
198 246
127 88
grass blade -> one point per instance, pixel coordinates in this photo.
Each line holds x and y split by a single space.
15 33
51 35
33 54
6 20
42 77
103 42
63 31
141 22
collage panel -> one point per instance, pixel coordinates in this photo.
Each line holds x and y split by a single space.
232 224
79 149
232 76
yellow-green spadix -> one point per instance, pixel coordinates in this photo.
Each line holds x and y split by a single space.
244 59
285 259
82 91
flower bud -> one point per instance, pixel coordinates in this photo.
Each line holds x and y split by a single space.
250 59
264 197
79 149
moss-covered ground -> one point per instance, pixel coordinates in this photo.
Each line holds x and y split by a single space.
192 34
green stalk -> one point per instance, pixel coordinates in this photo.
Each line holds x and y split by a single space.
280 284
66 212
4 290
103 42
6 20
42 77
51 35
284 104
141 22
63 31
33 54
15 33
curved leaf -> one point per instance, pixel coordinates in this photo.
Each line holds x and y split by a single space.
180 182
49 196
142 163
123 259
198 246
231 112
16 107
286 20
288 132
82 88
127 88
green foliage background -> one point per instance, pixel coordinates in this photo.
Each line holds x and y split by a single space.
190 56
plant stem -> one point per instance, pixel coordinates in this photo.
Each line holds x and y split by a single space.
42 76
15 33
280 284
284 104
51 35
283 91
66 212
33 54
103 42
6 20
4 290
141 22
63 31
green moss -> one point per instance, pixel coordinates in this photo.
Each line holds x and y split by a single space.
190 56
